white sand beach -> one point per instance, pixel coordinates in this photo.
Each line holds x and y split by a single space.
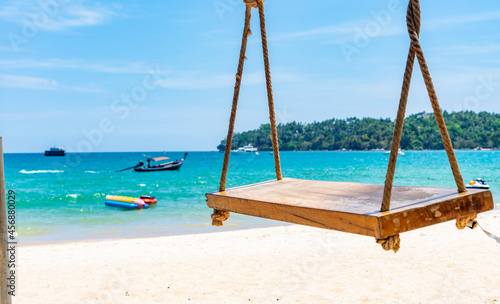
288 264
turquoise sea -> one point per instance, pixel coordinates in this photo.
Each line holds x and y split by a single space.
62 198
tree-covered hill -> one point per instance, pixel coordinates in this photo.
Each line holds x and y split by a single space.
467 130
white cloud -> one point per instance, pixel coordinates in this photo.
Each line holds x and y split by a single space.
36 83
28 82
87 89
470 49
330 30
5 48
115 68
194 81
345 32
199 80
60 15
451 21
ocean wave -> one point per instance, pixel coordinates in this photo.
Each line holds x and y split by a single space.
40 171
72 195
91 172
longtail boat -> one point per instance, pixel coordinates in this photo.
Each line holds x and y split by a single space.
169 166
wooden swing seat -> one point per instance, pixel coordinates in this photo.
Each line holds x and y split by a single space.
351 207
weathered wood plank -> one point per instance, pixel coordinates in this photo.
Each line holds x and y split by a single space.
350 207
434 212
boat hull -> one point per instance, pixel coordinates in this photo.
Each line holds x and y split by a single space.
160 168
50 153
477 187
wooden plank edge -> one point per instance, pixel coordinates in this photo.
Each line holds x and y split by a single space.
326 219
392 223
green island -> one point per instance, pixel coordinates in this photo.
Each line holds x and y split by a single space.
468 130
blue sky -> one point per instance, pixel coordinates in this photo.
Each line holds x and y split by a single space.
159 75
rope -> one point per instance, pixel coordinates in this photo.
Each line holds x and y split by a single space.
272 117
391 243
220 216
473 223
413 21
491 235
462 222
437 110
229 139
413 16
252 3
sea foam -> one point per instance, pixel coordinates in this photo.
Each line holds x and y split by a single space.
40 171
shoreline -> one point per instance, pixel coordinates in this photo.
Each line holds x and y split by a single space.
241 225
206 228
285 264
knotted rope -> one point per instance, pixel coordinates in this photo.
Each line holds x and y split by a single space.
413 22
220 216
252 3
462 222
391 243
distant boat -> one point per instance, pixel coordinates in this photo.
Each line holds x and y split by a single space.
170 166
477 183
248 149
400 152
55 152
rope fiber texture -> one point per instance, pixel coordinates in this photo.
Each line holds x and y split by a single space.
270 98
462 222
239 75
413 21
391 243
252 3
220 216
